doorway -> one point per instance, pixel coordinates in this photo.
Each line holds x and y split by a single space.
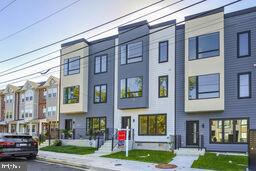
192 133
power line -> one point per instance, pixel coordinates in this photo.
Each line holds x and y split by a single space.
67 38
38 21
90 38
126 41
98 34
6 6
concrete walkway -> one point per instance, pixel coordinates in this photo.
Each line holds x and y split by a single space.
93 163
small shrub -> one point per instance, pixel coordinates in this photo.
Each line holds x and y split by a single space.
57 143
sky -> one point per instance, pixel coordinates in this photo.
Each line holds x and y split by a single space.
81 16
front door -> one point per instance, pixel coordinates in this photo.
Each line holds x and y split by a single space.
126 121
192 131
68 124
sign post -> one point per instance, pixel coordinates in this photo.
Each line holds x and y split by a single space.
127 142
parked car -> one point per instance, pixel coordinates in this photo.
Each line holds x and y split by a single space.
12 145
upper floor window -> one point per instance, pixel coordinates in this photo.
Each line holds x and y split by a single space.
72 66
100 64
100 93
163 51
131 87
204 46
244 85
163 86
131 53
244 44
204 86
71 95
22 98
54 92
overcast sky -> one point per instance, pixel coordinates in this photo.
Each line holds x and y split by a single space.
83 15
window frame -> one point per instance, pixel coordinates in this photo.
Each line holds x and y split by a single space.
68 59
155 126
159 51
250 85
100 56
249 44
197 47
100 117
233 119
126 53
126 97
100 85
68 99
197 87
159 78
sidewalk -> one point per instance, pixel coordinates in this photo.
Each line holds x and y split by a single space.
95 163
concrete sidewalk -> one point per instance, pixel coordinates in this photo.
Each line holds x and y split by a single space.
93 162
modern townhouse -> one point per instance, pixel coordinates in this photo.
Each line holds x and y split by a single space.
3 124
215 68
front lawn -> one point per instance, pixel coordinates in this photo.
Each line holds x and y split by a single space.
69 149
150 156
222 162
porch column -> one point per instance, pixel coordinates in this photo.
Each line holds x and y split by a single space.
9 128
30 129
18 127
40 127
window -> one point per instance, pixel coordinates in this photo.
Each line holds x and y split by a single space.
163 51
100 64
22 97
244 85
11 98
54 92
131 87
131 53
204 86
72 66
95 125
204 46
229 131
49 111
50 93
163 86
71 95
244 44
152 124
100 93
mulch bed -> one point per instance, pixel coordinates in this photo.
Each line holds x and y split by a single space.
166 166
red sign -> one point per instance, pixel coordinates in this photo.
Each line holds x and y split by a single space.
121 135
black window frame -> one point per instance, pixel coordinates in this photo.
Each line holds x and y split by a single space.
155 115
197 88
159 78
126 53
100 56
69 99
223 136
159 52
87 132
100 85
249 44
250 85
67 64
197 47
126 92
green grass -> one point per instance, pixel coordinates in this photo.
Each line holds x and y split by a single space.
144 156
221 162
69 149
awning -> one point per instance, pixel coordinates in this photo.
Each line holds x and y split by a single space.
3 123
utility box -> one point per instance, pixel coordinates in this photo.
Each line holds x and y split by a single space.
252 150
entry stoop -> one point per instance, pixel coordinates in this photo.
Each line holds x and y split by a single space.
189 152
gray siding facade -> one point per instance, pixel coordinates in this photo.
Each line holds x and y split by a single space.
235 108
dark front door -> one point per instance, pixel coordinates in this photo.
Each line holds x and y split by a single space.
192 131
252 150
126 121
68 124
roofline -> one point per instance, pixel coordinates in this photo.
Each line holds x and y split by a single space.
103 39
240 12
137 24
74 42
205 13
182 26
170 22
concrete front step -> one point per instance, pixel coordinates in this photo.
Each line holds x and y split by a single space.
189 152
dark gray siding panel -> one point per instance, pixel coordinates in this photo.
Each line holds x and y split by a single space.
135 69
234 107
102 109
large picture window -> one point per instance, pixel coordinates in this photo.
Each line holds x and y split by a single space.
204 86
163 86
131 87
95 125
244 85
244 44
229 131
72 66
100 64
71 95
163 51
152 124
131 53
100 93
204 46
